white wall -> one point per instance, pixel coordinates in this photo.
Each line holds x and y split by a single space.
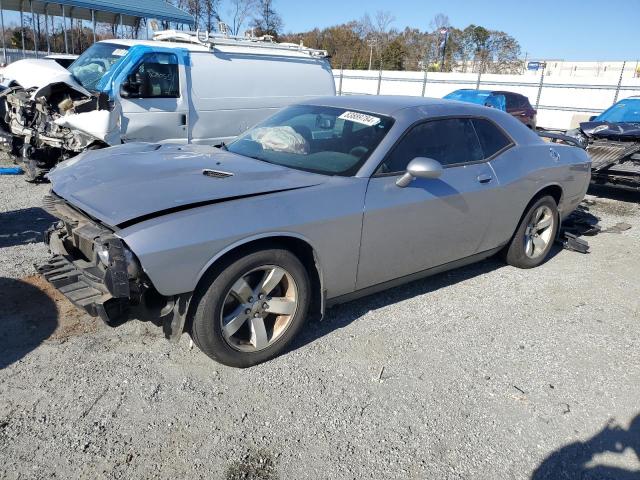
559 107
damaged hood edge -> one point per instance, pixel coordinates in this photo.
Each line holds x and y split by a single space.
610 129
40 74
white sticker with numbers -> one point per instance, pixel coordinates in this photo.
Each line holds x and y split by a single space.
362 118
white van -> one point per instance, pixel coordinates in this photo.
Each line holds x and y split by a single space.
181 87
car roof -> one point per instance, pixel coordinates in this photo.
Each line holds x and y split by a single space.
390 105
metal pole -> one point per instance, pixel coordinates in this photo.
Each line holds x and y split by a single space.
36 43
64 31
424 81
93 23
379 78
370 55
341 76
444 48
4 43
615 99
121 27
479 75
22 29
544 65
46 27
73 42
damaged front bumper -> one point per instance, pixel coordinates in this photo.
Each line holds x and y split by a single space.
96 271
101 288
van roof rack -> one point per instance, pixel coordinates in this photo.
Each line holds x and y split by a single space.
211 40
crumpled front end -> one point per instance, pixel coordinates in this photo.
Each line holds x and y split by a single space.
614 149
97 272
50 124
90 265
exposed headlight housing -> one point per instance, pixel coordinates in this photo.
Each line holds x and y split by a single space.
133 266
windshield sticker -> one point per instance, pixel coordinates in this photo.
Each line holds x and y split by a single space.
362 118
119 52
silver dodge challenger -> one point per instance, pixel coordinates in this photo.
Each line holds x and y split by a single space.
326 201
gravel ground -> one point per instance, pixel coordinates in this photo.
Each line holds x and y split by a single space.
485 372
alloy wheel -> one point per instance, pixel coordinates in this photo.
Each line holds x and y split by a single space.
537 236
259 308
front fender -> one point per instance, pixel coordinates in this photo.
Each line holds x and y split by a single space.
266 236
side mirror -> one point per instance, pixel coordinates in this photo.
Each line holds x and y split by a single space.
420 167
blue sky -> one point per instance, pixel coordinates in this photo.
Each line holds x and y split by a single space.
559 29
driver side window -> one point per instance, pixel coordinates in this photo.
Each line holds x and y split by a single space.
157 76
451 141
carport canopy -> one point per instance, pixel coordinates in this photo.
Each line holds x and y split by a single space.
126 12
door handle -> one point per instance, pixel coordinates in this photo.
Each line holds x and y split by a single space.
183 119
484 178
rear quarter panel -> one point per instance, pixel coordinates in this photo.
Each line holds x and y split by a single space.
525 170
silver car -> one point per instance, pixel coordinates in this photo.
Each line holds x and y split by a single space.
325 201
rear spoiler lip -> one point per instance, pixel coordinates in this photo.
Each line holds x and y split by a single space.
554 135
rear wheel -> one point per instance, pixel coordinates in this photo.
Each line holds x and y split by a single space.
536 233
252 309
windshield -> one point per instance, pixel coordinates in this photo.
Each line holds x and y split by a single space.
326 140
625 111
97 60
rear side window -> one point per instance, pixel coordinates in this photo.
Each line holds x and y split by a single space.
450 141
158 76
492 139
523 102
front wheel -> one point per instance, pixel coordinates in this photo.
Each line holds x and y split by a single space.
536 233
252 309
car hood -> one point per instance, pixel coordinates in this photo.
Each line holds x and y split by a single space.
611 130
127 184
38 74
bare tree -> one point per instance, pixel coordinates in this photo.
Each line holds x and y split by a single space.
211 12
267 21
239 13
439 21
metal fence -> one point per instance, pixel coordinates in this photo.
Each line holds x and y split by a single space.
546 94
14 54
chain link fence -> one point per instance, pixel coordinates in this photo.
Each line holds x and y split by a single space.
561 101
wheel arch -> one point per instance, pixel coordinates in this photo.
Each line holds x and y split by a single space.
554 190
299 245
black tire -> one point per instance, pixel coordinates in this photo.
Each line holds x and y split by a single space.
514 254
207 304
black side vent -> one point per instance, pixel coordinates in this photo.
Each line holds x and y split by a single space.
216 173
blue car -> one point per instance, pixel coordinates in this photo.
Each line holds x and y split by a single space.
512 103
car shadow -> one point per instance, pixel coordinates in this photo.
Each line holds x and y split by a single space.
613 193
344 314
577 460
21 227
28 316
